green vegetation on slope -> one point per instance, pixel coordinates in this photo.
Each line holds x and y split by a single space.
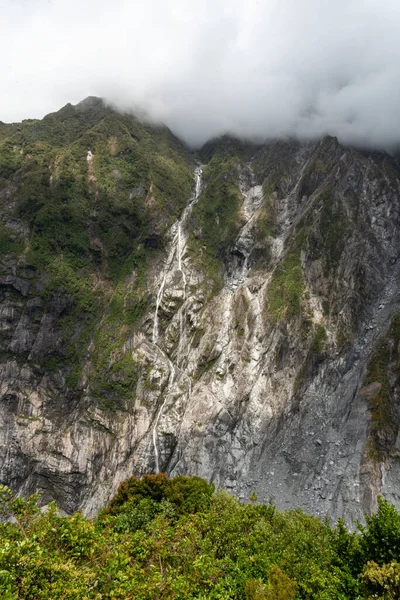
216 219
286 289
10 243
333 228
97 191
179 540
96 209
383 373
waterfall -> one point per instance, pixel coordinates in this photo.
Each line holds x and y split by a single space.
160 292
252 201
178 247
177 251
171 380
181 250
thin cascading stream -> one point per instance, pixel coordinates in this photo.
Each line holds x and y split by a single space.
178 247
252 200
171 379
181 249
170 260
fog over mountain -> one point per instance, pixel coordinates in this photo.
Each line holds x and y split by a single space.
263 68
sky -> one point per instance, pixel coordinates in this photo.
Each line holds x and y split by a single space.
252 68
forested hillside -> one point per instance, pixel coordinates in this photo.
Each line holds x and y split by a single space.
176 539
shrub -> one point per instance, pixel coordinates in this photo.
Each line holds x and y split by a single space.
380 541
383 581
186 494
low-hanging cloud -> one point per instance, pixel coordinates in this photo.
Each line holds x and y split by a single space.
257 69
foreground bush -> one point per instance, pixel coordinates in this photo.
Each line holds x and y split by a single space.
177 539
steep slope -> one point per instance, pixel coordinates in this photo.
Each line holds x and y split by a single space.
235 320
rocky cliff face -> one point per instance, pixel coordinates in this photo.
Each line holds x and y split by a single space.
232 315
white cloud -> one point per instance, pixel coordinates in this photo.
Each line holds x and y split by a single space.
255 68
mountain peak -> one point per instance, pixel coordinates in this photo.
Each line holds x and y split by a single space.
90 103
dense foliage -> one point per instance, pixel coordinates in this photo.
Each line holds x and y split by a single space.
93 211
163 538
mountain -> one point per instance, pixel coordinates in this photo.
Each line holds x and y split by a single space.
232 314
